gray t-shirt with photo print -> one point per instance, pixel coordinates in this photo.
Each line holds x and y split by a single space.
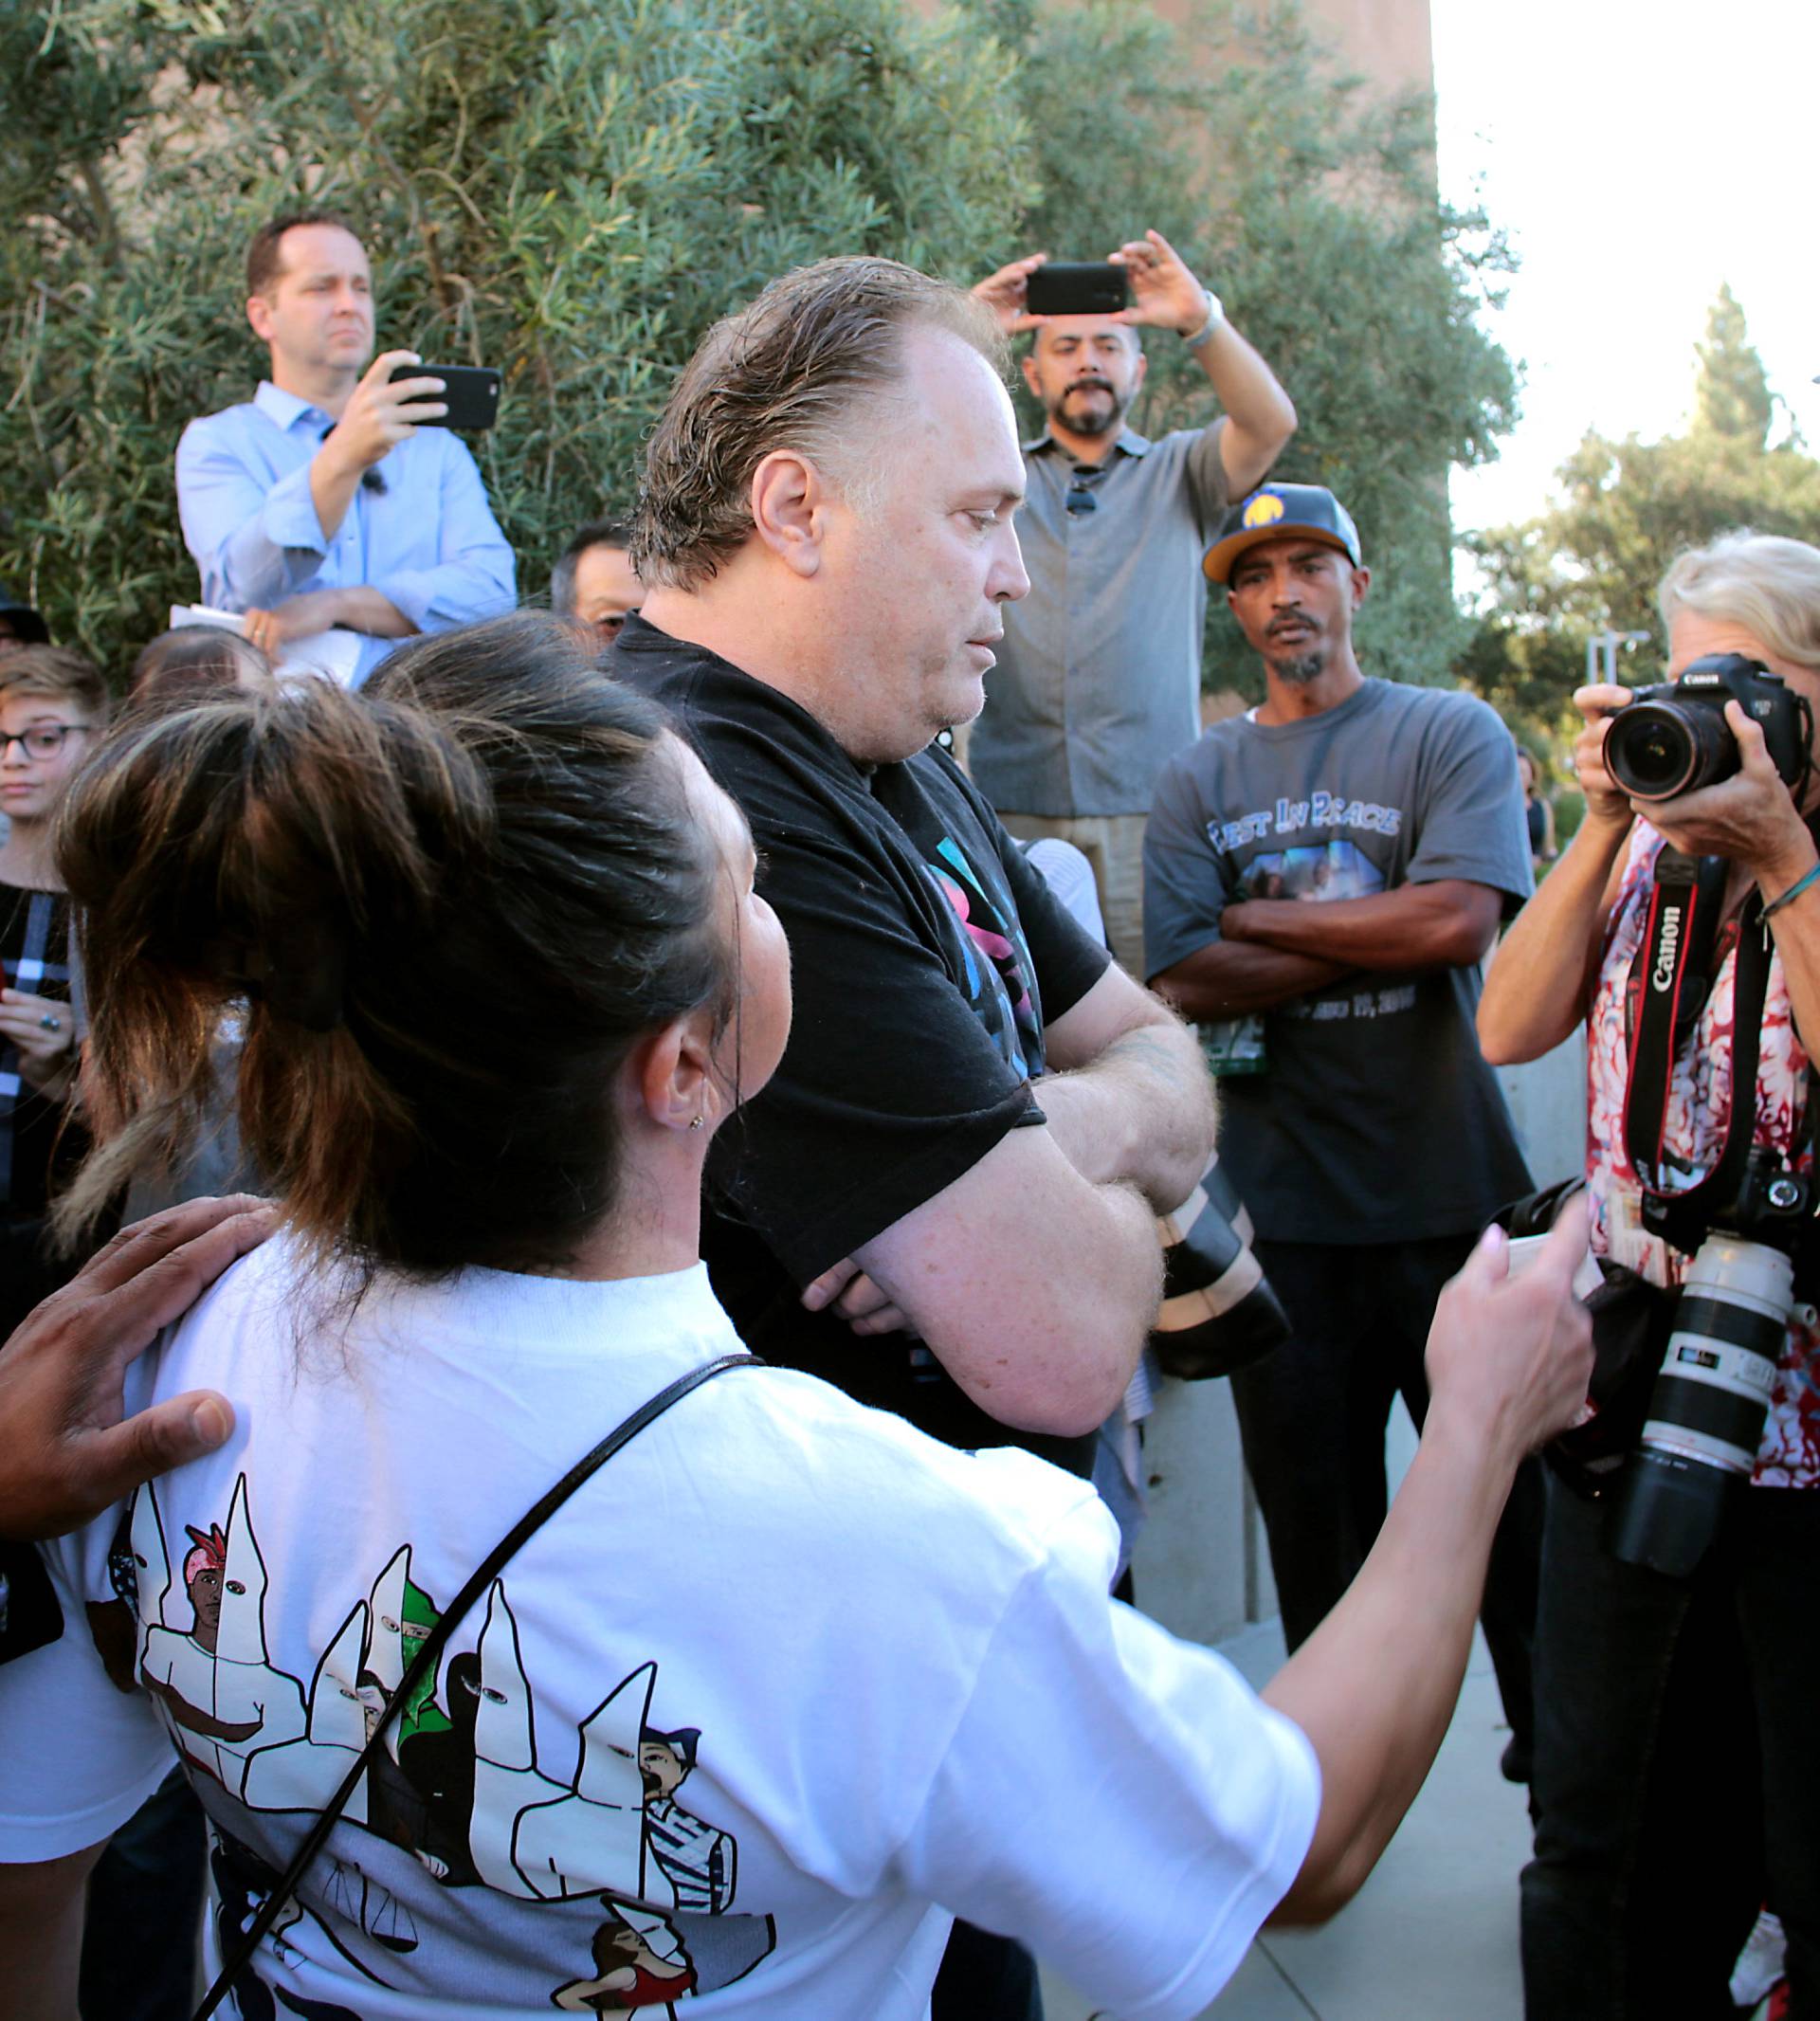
1376 1117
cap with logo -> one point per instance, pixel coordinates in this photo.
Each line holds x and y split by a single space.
21 620
1274 510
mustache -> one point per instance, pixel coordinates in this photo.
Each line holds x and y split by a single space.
1083 384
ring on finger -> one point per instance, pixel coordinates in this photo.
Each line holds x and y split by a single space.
52 1023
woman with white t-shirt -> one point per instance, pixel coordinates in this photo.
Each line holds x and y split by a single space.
782 1685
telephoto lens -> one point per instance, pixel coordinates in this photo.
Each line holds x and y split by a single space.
1706 1411
1655 750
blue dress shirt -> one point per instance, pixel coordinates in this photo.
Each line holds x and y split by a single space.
428 540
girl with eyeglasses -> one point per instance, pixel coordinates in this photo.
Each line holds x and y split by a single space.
51 703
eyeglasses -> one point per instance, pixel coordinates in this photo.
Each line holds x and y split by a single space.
43 740
1080 498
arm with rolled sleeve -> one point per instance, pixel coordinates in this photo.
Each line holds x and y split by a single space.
255 543
473 576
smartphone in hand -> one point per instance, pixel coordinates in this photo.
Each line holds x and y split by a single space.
1074 288
471 394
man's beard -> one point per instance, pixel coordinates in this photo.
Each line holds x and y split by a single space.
1298 672
1092 424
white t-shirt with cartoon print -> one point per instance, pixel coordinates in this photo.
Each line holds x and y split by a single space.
779 1690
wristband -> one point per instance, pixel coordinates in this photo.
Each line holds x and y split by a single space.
1215 317
1793 893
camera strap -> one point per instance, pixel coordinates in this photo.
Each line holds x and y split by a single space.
1680 945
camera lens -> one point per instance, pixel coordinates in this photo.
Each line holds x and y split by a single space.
1707 1408
1655 750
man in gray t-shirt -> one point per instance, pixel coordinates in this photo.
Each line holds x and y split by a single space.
1333 866
1099 677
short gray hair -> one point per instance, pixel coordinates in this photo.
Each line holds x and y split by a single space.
784 373
1764 582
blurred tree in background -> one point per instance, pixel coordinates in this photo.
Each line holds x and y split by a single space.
573 189
1625 511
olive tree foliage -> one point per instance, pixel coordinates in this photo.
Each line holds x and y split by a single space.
574 190
571 191
1309 204
1622 512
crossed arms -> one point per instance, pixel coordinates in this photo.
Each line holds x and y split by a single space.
1272 950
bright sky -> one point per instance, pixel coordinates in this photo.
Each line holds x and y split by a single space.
1638 156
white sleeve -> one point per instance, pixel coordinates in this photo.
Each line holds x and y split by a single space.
77 1758
1120 1801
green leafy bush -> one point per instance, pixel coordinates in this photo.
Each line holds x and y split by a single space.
573 189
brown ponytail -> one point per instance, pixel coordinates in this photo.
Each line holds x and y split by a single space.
450 905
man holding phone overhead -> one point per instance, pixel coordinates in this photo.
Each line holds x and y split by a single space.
338 498
1098 681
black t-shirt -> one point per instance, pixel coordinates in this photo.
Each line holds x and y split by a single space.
926 955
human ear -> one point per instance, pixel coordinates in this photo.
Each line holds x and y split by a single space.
1033 377
1361 582
1138 374
787 499
260 314
674 1072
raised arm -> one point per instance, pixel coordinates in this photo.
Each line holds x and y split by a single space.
1260 417
1375 1686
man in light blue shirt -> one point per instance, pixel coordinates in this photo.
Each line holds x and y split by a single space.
325 503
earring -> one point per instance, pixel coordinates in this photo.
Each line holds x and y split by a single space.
696 1122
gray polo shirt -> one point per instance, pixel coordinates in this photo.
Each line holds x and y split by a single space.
1098 683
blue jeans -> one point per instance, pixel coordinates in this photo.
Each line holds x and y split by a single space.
1677 1776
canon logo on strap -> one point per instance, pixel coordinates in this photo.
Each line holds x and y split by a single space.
1662 975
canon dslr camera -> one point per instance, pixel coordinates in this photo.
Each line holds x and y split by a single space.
1673 739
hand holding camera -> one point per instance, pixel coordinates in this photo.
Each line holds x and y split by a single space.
1715 761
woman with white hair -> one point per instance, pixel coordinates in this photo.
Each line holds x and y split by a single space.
1676 1751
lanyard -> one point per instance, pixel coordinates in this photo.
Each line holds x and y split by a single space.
1679 944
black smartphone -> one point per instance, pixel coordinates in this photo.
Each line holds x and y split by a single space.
471 393
1076 287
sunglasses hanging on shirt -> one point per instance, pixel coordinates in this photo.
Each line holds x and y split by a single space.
370 480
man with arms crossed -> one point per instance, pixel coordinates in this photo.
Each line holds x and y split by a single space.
977 1114
1339 860
322 503
1098 680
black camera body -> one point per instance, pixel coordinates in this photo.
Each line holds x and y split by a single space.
1673 738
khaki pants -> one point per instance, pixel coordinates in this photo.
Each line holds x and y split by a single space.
1114 845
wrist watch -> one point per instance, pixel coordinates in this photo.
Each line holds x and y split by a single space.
1215 317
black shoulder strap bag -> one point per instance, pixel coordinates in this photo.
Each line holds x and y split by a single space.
423 1664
